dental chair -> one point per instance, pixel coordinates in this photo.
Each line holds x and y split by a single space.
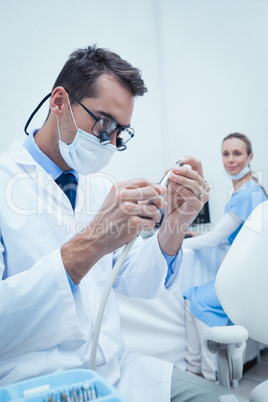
242 288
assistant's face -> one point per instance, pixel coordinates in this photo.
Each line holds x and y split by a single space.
234 155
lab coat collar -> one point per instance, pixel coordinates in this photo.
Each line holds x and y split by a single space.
44 181
20 154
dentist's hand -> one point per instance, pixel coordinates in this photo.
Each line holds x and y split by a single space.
122 216
186 194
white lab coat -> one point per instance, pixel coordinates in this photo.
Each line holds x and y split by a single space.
44 326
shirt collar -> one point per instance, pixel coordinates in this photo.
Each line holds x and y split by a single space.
42 159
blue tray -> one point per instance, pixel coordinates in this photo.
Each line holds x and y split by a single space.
62 386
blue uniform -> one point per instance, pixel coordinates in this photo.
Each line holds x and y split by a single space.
205 304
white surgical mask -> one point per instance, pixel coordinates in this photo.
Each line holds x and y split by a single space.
239 175
85 154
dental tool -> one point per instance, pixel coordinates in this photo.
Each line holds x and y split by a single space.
165 179
164 182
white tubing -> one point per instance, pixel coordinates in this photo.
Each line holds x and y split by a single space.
104 299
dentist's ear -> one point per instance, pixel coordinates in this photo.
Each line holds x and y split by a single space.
58 101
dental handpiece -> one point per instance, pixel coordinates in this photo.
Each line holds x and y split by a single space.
164 182
165 179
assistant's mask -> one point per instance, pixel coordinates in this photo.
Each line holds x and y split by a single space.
239 175
85 154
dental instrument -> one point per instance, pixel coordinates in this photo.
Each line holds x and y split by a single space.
164 182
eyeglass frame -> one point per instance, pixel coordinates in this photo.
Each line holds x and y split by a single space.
118 128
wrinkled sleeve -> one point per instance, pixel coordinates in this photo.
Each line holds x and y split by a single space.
42 313
145 270
224 228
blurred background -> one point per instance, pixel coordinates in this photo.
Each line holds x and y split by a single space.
204 63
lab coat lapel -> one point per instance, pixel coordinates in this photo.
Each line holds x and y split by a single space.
46 187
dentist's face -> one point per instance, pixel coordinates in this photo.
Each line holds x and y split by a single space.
113 100
234 155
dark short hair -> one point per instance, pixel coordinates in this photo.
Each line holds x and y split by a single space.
81 71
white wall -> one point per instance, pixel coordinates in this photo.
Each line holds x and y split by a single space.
204 63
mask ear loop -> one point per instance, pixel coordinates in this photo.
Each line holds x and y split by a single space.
58 124
71 114
71 111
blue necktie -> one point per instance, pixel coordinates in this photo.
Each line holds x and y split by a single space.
68 183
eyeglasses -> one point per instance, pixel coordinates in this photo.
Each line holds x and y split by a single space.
105 126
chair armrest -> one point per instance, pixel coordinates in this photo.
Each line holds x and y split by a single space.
229 345
230 334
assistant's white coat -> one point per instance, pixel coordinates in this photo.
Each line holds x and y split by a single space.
44 326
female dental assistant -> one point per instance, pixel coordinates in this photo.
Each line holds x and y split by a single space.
203 308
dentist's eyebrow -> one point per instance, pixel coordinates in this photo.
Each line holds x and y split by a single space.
105 114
